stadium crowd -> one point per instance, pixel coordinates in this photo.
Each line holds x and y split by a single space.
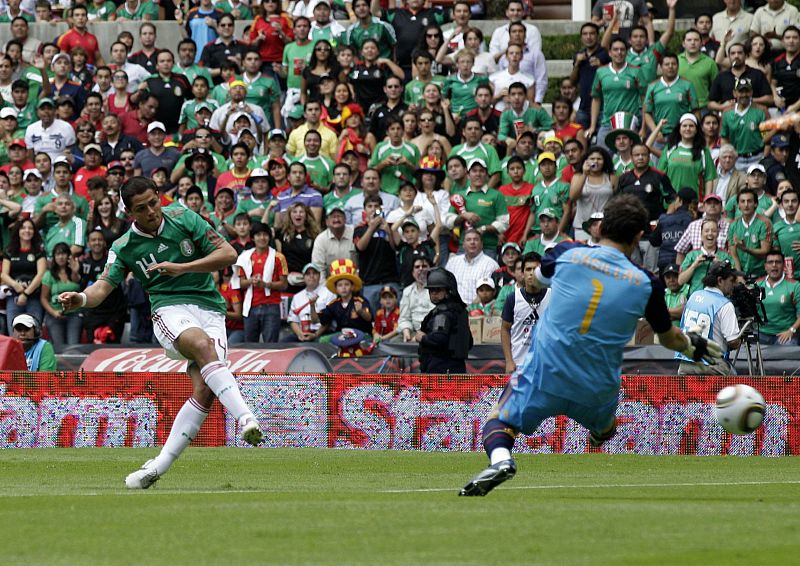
346 148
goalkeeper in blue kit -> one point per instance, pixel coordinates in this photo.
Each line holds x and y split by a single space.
172 253
573 367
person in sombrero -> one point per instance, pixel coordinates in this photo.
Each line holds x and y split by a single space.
349 309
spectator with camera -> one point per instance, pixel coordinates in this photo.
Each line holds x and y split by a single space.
781 300
710 312
695 266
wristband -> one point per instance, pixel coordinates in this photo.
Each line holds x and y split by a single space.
793 330
84 299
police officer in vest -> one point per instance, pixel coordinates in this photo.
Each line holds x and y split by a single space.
711 314
444 338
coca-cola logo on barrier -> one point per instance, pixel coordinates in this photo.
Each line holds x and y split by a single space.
657 415
142 360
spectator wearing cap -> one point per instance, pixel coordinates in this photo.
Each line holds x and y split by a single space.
341 191
135 122
276 145
729 179
32 181
471 265
93 167
756 179
205 140
692 238
509 255
39 353
549 235
9 127
171 89
263 91
483 298
49 134
387 316
694 266
621 139
322 26
473 148
672 225
62 88
685 159
548 192
675 294
750 235
156 154
78 36
44 210
336 241
483 209
722 96
774 164
711 303
427 219
262 272
200 167
591 227
740 126
197 111
299 317
375 248
224 212
257 202
17 156
409 248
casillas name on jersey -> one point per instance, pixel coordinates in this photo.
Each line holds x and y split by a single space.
184 236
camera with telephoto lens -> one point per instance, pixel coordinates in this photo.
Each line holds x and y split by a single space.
748 300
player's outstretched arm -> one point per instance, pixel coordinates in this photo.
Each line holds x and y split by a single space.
92 296
691 344
218 259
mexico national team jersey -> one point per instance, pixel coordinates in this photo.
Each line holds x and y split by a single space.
751 235
597 298
783 236
619 91
669 101
184 236
647 60
741 130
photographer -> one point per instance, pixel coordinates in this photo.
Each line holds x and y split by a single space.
781 304
695 266
711 310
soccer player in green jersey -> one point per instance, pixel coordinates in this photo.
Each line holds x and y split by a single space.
172 253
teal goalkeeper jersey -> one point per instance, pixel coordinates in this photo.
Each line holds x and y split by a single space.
184 237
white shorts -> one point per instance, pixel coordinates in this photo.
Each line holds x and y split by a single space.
171 321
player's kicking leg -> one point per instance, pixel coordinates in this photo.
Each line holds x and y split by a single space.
498 440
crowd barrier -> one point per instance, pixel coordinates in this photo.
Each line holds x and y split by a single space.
657 414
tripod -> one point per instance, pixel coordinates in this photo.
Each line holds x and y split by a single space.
749 337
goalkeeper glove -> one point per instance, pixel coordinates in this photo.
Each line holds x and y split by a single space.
701 349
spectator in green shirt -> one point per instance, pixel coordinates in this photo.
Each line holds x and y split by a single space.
676 294
781 304
750 235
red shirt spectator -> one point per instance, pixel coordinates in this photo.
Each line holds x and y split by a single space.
259 296
386 322
519 207
74 38
135 126
232 297
271 45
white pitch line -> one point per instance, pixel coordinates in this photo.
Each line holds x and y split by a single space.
132 493
604 486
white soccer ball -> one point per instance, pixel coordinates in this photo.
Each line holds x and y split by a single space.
740 409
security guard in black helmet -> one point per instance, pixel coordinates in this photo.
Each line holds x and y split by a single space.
444 339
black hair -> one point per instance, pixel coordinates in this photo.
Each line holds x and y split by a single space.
137 186
242 216
201 78
608 162
749 191
13 241
60 248
530 257
517 85
624 217
373 198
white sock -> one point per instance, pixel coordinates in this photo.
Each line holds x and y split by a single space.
187 422
221 381
499 454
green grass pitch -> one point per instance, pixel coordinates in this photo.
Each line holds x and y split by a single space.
239 506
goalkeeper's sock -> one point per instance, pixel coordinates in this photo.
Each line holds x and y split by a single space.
187 422
221 381
498 440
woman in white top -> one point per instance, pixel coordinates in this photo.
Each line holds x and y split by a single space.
592 187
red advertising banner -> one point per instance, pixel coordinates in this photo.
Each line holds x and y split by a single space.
657 414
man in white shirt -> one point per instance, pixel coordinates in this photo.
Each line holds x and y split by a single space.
222 119
416 302
49 134
501 80
470 266
532 64
500 37
299 317
119 62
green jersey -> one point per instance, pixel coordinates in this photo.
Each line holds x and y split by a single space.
621 166
244 11
332 198
325 33
701 73
696 282
462 92
184 237
481 151
392 175
675 299
57 286
488 204
220 93
100 13
553 195
72 233
412 94
732 209
292 55
740 128
751 235
684 171
142 9
356 34
540 246
6 18
262 91
782 305
188 112
320 170
246 205
531 170
50 219
619 91
647 60
669 101
783 236
192 72
512 123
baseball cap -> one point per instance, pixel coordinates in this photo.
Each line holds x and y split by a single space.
595 217
554 138
275 132
550 213
156 126
510 246
92 146
34 172
485 281
388 290
723 269
18 141
743 84
477 161
756 167
65 100
333 208
115 165
61 160
203 106
25 320
712 196
46 101
410 222
778 140
60 56
671 268
546 155
10 112
313 266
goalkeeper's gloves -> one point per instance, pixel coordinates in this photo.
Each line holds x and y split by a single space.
701 349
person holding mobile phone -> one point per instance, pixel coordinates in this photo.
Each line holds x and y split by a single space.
592 186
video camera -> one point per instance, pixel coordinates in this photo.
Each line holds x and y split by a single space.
748 300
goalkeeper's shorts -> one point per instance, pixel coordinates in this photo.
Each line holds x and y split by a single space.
527 416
